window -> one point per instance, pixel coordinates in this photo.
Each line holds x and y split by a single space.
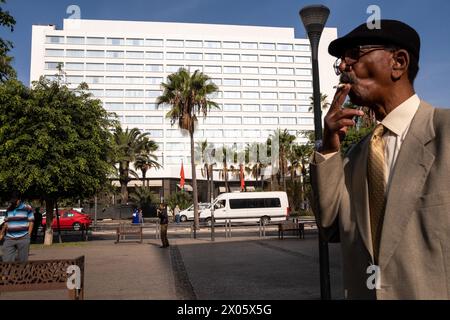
230 45
268 70
250 70
232 107
75 40
251 133
114 80
115 54
286 83
173 68
303 109
134 80
134 93
94 80
154 120
95 54
212 44
154 42
286 71
232 120
216 81
302 96
268 83
269 95
231 69
153 80
249 45
251 120
95 41
134 119
213 120
213 69
113 93
114 67
134 106
250 107
96 92
305 121
232 133
115 41
153 93
174 56
54 65
255 203
269 108
153 68
302 60
265 58
75 53
231 82
230 57
175 43
250 95
151 106
267 46
194 56
303 72
288 121
287 95
193 43
249 57
269 120
74 79
95 66
74 66
154 55
213 133
284 46
194 68
212 56
155 133
285 59
174 146
134 42
54 52
301 47
135 54
54 39
134 67
113 106
287 108
250 82
304 84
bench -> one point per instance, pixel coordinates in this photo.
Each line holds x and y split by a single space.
297 227
125 229
41 275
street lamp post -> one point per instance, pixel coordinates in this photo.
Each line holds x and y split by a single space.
314 18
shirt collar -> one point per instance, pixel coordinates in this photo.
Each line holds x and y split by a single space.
399 119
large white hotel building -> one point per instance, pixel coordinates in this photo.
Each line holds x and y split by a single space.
264 75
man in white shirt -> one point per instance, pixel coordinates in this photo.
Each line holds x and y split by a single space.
388 199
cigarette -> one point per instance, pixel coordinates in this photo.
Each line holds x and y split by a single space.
339 86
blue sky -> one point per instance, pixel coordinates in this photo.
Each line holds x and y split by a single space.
429 18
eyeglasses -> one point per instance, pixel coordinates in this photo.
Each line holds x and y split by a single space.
352 56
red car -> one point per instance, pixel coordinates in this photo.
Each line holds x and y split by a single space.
69 220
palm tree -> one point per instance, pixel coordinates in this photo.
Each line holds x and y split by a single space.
145 162
144 197
299 159
201 150
254 168
188 95
127 145
285 143
323 102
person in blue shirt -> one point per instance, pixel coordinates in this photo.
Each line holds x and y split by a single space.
18 227
136 216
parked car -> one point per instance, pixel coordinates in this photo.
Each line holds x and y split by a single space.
188 214
249 207
69 220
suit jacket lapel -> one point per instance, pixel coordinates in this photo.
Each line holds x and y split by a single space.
410 173
360 190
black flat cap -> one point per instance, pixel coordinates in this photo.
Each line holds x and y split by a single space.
392 32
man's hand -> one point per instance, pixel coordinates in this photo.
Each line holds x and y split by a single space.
337 121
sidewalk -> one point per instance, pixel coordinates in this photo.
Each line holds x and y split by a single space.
238 268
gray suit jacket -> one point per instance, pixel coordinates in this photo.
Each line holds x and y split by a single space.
414 255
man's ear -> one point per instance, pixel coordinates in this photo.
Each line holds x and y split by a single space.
400 64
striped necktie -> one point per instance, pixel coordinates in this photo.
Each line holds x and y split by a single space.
376 172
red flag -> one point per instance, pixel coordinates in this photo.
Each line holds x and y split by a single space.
182 176
242 178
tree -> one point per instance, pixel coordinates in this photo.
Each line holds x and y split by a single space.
127 146
6 70
54 143
146 159
188 95
182 199
323 102
285 143
144 197
201 150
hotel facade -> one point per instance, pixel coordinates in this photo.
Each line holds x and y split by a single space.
264 75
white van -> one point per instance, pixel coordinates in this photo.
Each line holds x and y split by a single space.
188 214
249 207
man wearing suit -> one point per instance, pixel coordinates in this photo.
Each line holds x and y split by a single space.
388 198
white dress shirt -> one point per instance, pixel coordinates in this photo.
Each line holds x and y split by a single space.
397 122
